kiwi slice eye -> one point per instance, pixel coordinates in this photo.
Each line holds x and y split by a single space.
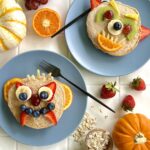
133 24
100 14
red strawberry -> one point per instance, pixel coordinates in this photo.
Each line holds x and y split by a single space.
145 32
128 103
18 84
138 84
108 90
95 3
51 117
23 117
52 86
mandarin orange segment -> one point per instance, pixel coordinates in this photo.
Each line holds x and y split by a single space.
8 85
46 22
68 96
107 44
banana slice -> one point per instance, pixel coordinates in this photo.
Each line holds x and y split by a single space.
23 93
48 91
111 27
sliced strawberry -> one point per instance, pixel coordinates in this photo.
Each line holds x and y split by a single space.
51 117
95 3
18 84
23 117
145 32
52 86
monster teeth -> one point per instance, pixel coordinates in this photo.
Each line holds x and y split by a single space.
115 40
38 73
28 76
122 41
108 36
103 33
33 77
112 39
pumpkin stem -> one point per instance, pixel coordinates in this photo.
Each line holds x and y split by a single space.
140 138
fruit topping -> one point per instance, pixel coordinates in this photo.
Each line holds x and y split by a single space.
138 84
45 93
115 27
18 84
23 117
35 101
23 96
108 90
36 113
43 111
51 106
29 111
51 117
145 32
43 1
68 96
46 22
134 27
106 13
108 44
23 93
132 16
95 3
127 29
114 5
23 107
109 15
128 103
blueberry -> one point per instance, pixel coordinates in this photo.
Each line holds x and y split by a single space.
36 113
43 110
117 26
29 111
44 95
51 106
23 96
23 107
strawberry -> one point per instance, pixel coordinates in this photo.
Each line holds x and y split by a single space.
145 32
95 3
23 117
138 84
108 90
51 117
18 84
52 86
128 103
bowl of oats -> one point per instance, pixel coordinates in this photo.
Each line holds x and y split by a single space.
99 139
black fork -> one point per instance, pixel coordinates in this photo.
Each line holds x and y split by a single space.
56 72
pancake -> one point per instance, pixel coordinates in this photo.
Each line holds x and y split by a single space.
94 29
35 83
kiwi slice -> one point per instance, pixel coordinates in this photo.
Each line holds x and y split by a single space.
133 24
101 12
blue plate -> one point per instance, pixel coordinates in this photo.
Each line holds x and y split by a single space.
95 61
27 63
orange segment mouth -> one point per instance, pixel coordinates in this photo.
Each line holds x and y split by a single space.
108 43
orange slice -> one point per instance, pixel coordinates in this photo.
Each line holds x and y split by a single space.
68 96
46 22
107 44
8 85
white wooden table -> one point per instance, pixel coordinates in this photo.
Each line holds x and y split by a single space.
93 83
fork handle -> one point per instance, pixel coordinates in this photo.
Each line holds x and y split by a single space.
88 94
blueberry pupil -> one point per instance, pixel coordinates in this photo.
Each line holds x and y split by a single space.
51 106
43 95
23 96
117 26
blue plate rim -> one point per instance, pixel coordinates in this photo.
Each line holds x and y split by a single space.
39 50
86 67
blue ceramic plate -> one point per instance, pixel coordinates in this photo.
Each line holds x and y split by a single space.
92 59
27 63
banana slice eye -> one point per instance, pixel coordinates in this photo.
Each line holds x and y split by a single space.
23 93
45 93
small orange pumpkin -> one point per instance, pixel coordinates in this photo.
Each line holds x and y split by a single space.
132 132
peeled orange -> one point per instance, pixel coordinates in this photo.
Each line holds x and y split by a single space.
46 22
107 44
68 96
8 85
